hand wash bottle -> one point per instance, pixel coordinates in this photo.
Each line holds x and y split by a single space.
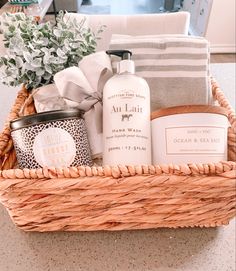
126 116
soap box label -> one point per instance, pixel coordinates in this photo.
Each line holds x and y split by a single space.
195 140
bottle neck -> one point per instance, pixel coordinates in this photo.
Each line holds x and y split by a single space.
126 66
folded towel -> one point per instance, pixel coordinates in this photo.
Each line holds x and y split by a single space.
176 67
82 87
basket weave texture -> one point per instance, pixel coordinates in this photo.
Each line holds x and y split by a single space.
121 197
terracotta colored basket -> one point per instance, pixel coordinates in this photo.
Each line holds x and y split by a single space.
117 198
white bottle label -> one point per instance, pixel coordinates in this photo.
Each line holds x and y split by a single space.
127 128
54 147
195 140
189 138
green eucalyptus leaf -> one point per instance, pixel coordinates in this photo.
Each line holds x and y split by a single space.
37 51
48 69
28 57
19 62
47 76
60 53
36 63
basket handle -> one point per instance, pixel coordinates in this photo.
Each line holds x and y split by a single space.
6 145
223 101
219 95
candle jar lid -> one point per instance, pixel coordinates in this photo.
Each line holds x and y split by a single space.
184 109
45 117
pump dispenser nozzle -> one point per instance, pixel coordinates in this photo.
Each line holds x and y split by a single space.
126 64
124 54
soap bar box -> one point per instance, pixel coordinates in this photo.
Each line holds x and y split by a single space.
117 197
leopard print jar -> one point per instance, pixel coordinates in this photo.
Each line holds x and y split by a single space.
52 139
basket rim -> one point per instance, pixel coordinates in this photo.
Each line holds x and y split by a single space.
227 168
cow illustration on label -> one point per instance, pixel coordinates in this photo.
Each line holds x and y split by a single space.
126 117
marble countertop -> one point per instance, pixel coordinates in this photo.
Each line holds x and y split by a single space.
190 249
161 249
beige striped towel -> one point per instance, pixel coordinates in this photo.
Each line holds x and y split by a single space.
176 67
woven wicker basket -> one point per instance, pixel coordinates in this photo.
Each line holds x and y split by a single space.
117 198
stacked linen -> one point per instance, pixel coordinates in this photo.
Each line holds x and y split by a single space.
176 67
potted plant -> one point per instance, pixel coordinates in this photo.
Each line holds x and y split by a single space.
36 52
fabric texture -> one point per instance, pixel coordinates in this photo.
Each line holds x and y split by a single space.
82 87
137 24
176 67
